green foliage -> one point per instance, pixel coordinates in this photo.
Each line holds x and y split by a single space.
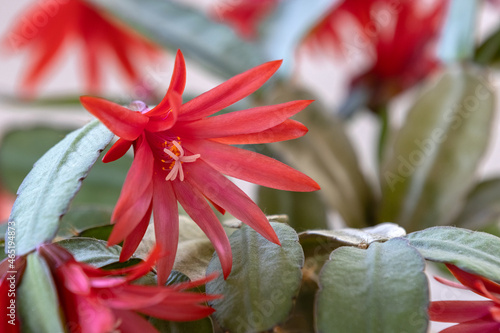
430 168
37 298
45 194
259 292
488 53
91 251
380 289
305 210
21 148
474 252
82 217
482 206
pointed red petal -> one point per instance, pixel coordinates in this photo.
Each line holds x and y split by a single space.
288 130
130 219
251 166
94 316
134 238
136 191
219 208
170 309
166 221
131 322
199 210
45 60
469 280
178 81
474 326
138 180
123 122
224 193
459 311
229 92
253 120
117 150
93 46
177 84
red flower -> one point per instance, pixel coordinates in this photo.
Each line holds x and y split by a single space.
95 300
351 17
403 35
181 154
49 26
244 15
472 316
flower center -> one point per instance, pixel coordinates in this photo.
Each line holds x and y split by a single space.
176 154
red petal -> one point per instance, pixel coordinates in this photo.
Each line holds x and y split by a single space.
129 220
94 316
45 59
117 150
224 193
177 84
138 180
241 122
199 210
251 166
219 208
459 311
131 322
288 130
166 221
93 46
475 326
469 280
123 122
158 124
178 81
133 240
170 309
229 92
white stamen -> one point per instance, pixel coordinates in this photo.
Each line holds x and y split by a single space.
178 160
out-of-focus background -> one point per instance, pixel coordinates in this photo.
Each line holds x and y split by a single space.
324 74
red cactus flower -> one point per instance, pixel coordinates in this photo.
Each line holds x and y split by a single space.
49 27
99 301
181 155
472 316
244 15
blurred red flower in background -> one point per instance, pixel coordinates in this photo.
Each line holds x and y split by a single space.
181 154
399 35
402 36
48 27
472 316
244 15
